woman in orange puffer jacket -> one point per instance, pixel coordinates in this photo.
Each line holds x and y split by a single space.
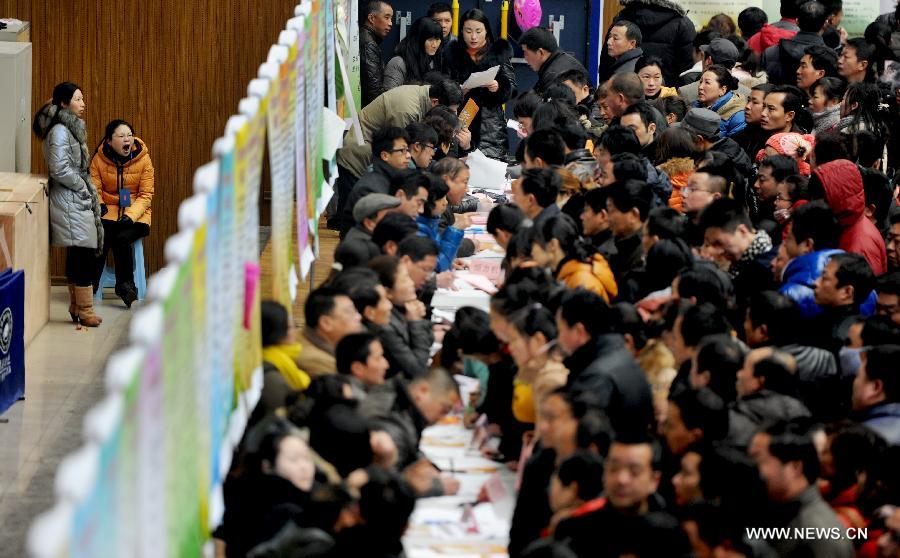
677 154
123 174
556 245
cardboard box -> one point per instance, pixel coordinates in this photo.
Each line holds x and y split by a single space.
25 225
18 32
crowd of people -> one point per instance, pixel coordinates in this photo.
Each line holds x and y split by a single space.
693 340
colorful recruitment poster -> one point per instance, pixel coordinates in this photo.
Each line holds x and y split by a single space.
330 69
151 460
229 267
280 118
300 152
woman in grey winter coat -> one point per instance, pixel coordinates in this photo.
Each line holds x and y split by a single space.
74 203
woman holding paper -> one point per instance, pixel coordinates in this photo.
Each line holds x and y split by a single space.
74 204
123 175
415 55
477 51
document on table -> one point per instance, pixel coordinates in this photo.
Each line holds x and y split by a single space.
486 173
480 79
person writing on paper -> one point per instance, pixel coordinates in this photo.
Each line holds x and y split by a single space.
478 51
429 223
378 19
74 203
415 56
123 175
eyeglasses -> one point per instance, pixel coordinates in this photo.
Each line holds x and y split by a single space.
399 150
687 190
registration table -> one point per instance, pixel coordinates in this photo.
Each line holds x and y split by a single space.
454 526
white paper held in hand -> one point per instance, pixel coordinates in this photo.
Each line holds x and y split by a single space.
480 79
486 173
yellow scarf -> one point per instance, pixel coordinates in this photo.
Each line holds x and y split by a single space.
284 357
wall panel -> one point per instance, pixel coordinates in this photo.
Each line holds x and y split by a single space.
176 70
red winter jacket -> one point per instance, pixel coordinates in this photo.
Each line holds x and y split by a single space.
770 34
845 195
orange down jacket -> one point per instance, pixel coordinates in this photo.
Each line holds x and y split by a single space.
135 175
595 276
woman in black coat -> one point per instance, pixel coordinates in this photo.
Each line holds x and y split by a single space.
476 51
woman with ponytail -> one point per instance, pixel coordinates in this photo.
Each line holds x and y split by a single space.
74 204
557 245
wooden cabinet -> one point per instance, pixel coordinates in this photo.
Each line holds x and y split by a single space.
25 227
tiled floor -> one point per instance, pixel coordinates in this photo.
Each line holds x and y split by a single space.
63 380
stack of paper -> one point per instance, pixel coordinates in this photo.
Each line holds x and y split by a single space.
486 173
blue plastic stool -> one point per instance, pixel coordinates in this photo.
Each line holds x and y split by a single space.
108 277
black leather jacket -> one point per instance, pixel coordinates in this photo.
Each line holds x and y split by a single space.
371 65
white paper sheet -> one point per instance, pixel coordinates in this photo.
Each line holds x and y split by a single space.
480 79
332 133
486 173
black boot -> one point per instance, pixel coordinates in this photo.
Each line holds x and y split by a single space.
127 292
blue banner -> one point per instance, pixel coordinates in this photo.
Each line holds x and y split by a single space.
12 338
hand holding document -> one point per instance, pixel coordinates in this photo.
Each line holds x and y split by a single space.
481 79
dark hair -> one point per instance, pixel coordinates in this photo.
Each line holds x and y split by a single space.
764 87
557 92
394 227
832 87
648 60
538 38
355 347
812 17
573 135
421 133
437 190
504 217
790 9
878 188
723 76
586 469
373 7
359 284
706 284
880 330
526 104
751 20
878 35
547 145
675 142
444 122
628 166
628 84
274 319
666 223
881 364
629 322
722 357
795 101
385 503
671 105
113 125
580 306
815 220
412 48
889 283
832 7
776 372
704 409
864 51
562 228
830 146
868 149
477 15
417 248
632 31
797 187
386 267
578 76
596 199
535 319
704 37
447 92
854 270
543 184
553 113
451 166
782 166
777 312
793 442
619 139
725 214
664 260
867 115
631 194
320 302
438 8
854 449
644 111
62 93
822 58
473 335
519 246
383 140
702 320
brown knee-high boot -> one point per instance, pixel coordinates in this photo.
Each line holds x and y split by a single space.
84 297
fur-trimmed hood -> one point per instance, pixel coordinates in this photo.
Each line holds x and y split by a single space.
500 49
50 115
668 4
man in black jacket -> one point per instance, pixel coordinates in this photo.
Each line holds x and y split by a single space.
602 372
666 32
378 19
703 124
782 60
544 56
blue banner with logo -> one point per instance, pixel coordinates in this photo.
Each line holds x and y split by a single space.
12 338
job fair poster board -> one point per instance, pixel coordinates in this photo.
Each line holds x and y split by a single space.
148 481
